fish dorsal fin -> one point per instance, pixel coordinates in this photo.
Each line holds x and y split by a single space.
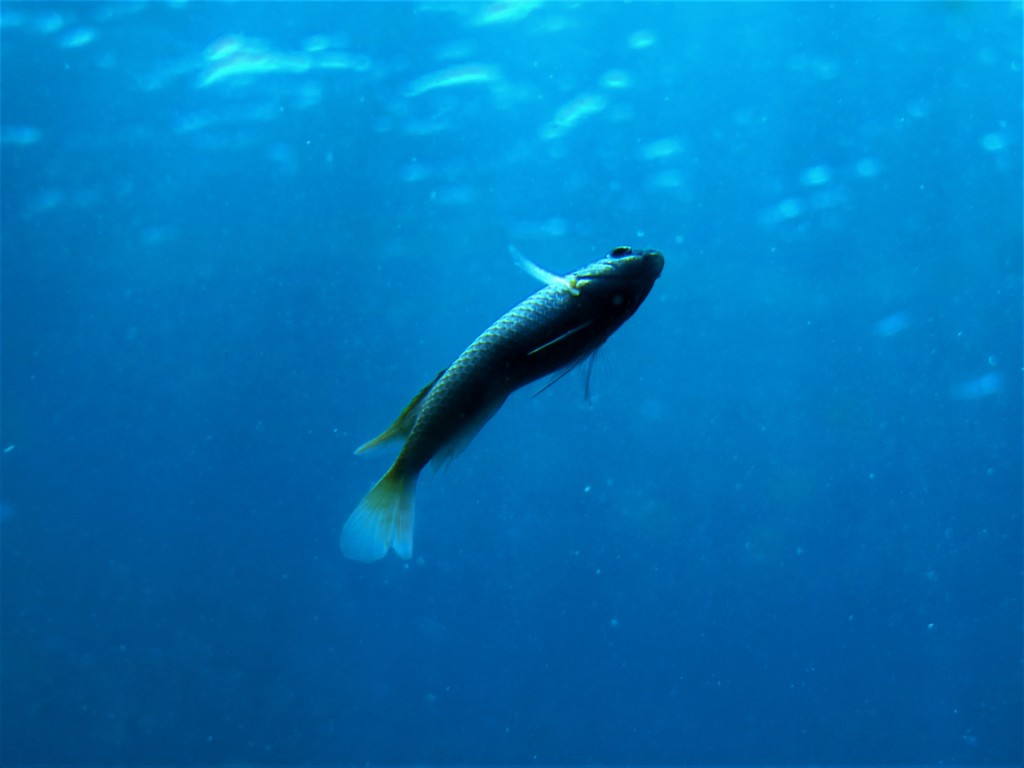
404 423
545 276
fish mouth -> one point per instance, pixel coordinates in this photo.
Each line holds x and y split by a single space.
656 260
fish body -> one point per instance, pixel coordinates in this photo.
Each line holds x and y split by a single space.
557 327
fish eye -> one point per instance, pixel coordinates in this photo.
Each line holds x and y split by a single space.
622 250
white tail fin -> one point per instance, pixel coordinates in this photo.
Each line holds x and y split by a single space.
383 520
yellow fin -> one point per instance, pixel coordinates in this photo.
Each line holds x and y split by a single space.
383 520
404 423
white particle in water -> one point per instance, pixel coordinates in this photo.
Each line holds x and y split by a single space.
993 142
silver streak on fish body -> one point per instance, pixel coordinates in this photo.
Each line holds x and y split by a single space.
554 329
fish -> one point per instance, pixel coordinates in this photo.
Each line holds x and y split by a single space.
552 331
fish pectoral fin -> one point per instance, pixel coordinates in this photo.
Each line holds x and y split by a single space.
561 338
461 439
404 423
589 357
545 276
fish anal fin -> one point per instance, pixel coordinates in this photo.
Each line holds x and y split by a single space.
403 424
383 520
461 439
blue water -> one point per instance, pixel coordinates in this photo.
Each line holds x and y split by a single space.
237 238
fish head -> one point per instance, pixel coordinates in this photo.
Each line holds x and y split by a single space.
624 277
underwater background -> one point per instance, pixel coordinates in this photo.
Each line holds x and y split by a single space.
238 237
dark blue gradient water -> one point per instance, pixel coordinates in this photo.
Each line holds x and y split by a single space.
238 237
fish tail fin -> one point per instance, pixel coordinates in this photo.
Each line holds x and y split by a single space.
383 520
